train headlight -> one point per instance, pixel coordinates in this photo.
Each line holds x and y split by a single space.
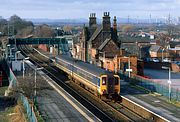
104 92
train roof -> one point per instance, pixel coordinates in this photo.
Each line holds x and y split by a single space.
86 66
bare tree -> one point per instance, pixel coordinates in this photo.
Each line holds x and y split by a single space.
127 28
43 31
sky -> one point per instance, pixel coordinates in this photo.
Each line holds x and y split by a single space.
72 9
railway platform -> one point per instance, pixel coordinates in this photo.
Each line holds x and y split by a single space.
155 103
54 103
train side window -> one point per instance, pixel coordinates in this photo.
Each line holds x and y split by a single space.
98 82
104 80
116 80
0 73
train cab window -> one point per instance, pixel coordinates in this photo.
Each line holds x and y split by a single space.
104 80
116 80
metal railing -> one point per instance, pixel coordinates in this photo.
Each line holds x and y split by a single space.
153 86
13 83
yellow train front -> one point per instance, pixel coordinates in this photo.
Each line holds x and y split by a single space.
97 80
109 85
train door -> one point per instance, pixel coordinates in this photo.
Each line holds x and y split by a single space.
110 85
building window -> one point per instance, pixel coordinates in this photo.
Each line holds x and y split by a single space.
104 80
116 80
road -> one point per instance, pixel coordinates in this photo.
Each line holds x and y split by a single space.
162 76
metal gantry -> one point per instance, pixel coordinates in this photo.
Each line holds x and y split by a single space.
61 43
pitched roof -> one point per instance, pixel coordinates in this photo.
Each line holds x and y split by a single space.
154 48
103 44
173 44
96 33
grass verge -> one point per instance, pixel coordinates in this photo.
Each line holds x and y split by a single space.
13 113
2 90
4 114
140 88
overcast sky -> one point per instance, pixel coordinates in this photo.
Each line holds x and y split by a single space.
65 9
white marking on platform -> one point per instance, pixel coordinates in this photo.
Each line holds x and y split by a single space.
149 106
47 78
157 101
67 99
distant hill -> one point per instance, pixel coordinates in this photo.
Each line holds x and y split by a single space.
85 21
59 21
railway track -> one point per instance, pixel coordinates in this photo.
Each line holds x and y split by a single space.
48 69
106 111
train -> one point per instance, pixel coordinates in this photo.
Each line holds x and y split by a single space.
100 82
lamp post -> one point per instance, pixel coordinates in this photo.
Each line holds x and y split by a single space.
8 51
129 67
129 70
35 92
169 80
23 65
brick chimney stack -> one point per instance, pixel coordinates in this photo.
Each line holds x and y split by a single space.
115 23
92 19
106 22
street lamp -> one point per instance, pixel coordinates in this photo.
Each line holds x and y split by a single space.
8 51
129 70
23 65
169 81
35 93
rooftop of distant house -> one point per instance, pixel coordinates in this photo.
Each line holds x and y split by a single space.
136 37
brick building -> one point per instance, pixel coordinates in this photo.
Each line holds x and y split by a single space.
95 39
157 51
100 46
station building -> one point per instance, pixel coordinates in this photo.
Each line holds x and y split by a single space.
99 45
